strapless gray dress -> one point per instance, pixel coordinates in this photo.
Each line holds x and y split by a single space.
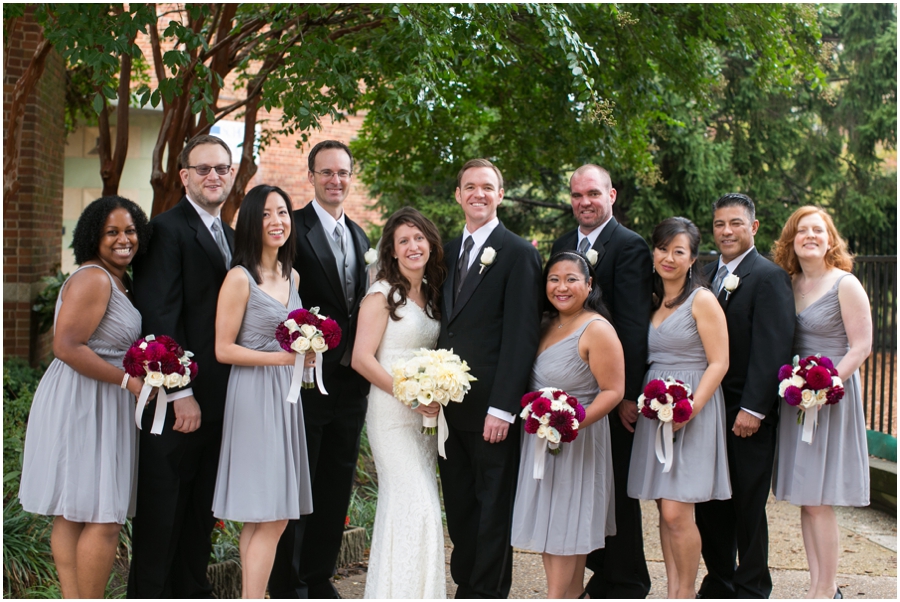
834 469
700 467
80 458
263 466
572 509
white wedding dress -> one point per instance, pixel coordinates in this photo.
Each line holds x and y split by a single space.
406 559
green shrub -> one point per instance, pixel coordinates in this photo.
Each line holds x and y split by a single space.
45 302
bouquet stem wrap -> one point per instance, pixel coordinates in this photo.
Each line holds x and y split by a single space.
442 430
665 445
296 379
159 416
810 419
312 377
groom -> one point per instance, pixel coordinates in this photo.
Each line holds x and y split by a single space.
491 319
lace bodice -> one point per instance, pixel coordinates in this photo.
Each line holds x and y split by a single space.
412 332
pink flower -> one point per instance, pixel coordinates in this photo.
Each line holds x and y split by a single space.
170 344
647 412
818 377
785 371
802 372
654 388
529 397
579 413
133 362
805 361
155 351
193 367
682 411
663 399
331 332
793 395
826 363
531 425
153 366
540 406
677 392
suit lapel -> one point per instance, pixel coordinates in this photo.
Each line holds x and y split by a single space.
361 245
476 272
603 240
205 239
742 271
318 241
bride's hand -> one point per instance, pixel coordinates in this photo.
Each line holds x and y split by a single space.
430 410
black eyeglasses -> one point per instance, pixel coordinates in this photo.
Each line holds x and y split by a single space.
328 174
203 170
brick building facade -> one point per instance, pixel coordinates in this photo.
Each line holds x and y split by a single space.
32 217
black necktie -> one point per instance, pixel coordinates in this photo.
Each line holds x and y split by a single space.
462 266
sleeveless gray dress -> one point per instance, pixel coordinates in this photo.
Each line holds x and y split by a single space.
834 469
263 466
80 458
572 509
700 467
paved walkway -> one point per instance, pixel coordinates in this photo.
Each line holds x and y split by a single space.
867 569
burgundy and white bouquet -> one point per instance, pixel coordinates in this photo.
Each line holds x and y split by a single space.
305 330
554 416
668 401
810 382
432 376
161 362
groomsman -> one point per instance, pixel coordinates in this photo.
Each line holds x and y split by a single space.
330 261
759 307
623 268
176 287
491 318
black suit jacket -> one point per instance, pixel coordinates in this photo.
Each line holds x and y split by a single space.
320 283
176 289
624 267
760 315
494 325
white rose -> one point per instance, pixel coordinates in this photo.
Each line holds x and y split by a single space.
545 419
592 256
655 405
185 380
291 325
821 397
798 381
526 411
807 399
412 388
488 255
318 344
782 386
836 381
664 413
155 379
173 380
308 331
731 282
542 431
553 435
300 345
427 383
441 396
371 256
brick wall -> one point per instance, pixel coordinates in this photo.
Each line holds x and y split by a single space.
32 219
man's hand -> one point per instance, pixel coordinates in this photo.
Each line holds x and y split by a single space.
628 414
745 424
187 414
495 429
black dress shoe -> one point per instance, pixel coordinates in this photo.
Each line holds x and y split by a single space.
838 595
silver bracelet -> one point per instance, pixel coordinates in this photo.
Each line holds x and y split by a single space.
124 384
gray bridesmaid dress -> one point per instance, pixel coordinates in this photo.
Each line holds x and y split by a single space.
572 509
263 466
80 456
700 467
834 469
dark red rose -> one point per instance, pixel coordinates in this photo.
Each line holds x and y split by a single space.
155 351
193 368
171 344
682 411
558 394
133 362
331 332
654 388
283 336
677 392
785 371
648 413
531 425
169 365
579 413
540 406
805 361
818 378
802 372
572 401
567 434
793 395
663 399
834 395
529 397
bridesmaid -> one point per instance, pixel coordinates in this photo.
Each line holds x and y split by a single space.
834 320
569 512
688 340
81 441
263 478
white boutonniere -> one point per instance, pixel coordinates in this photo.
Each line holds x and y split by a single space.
730 283
487 257
371 256
592 256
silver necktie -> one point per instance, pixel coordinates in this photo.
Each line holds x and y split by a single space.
219 235
584 246
339 236
720 277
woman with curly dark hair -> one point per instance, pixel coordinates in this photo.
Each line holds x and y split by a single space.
81 442
399 315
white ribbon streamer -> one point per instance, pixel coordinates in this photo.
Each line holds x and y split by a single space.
442 430
665 446
159 416
540 455
810 420
297 379
319 380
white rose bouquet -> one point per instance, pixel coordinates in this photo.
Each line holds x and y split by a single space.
162 363
432 376
305 330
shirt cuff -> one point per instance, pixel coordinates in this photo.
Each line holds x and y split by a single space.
179 394
756 414
502 414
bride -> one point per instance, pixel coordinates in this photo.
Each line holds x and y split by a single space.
399 315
